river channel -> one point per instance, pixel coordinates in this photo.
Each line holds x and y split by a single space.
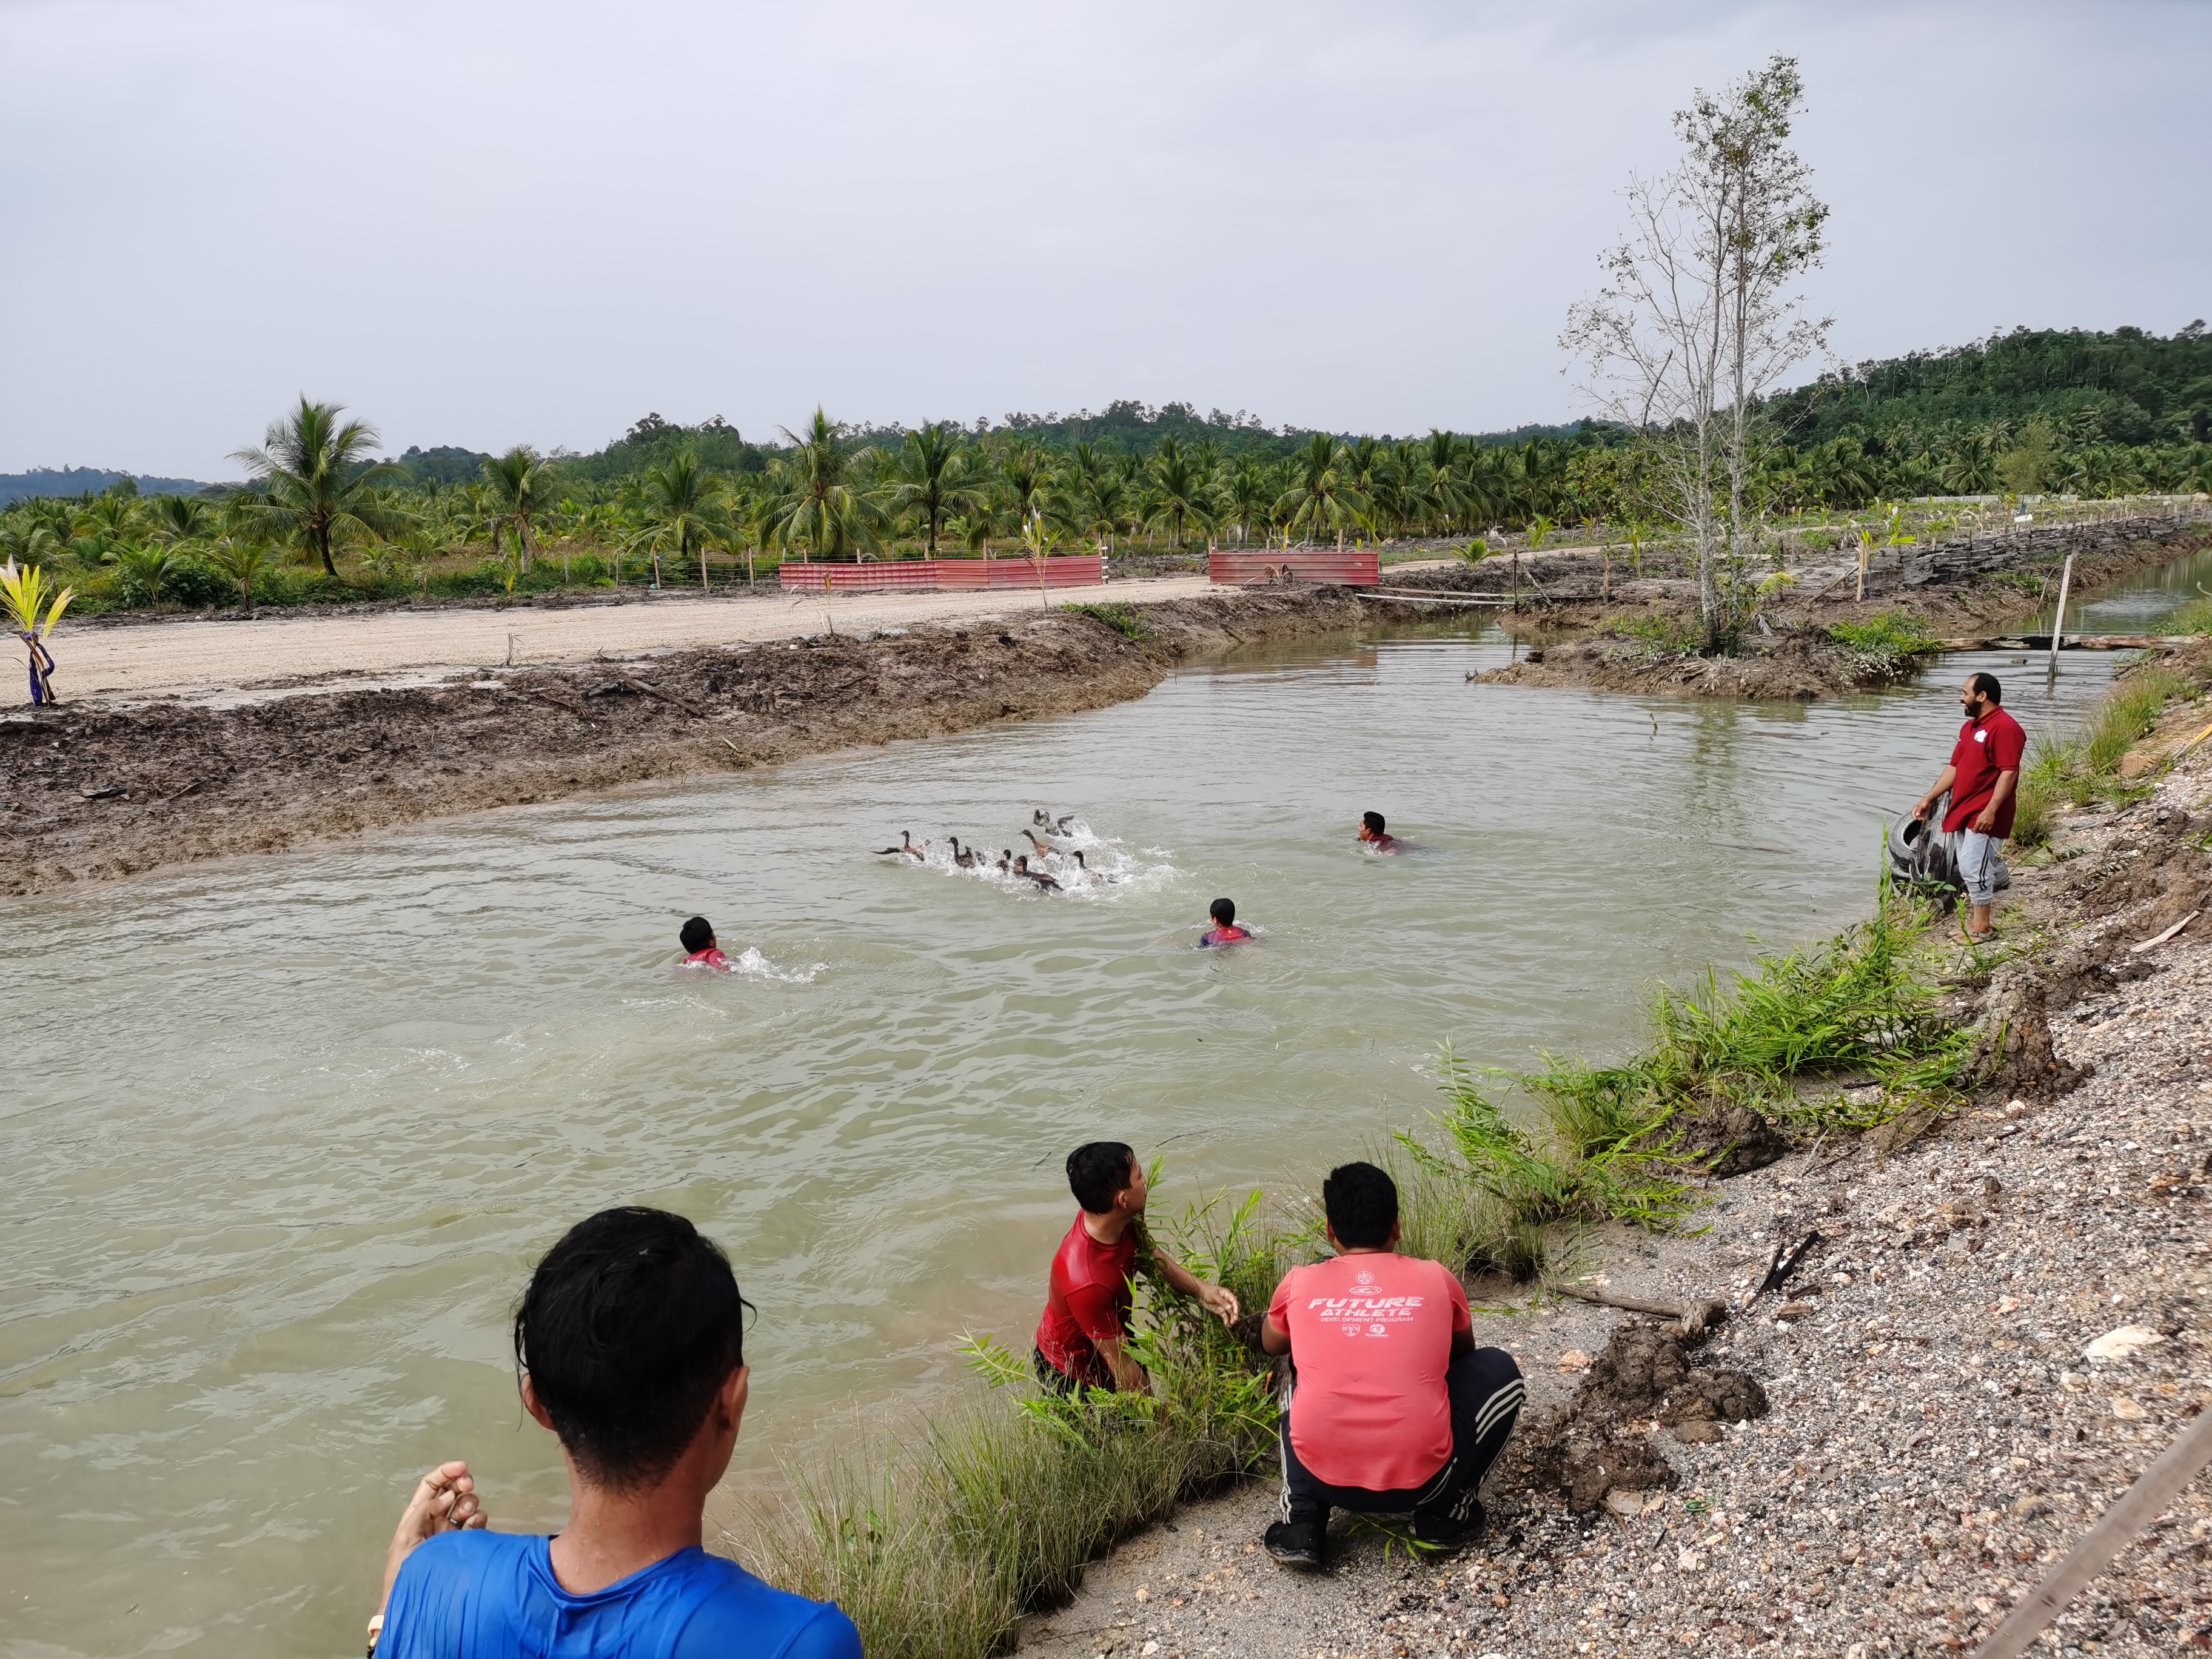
281 1138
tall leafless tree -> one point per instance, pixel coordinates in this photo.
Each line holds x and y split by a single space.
1699 316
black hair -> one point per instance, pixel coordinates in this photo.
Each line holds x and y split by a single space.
1988 686
1361 1202
1098 1171
1373 821
1223 911
698 934
630 1326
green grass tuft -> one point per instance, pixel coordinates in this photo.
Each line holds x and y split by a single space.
1124 619
1890 641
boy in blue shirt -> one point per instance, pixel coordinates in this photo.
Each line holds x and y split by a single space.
629 1342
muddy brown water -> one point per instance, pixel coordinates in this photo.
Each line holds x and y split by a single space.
282 1136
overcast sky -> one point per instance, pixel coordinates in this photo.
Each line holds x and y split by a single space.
489 223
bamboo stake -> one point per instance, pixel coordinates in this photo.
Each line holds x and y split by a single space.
2058 623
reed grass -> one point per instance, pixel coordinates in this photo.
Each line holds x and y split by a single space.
2086 767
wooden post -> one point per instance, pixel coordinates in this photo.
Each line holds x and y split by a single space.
2058 622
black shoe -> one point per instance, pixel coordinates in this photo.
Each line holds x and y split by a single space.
1296 1543
1436 1532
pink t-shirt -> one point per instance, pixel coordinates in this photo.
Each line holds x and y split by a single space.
1372 1336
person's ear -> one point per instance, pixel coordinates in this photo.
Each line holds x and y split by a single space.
735 1392
1330 1233
1396 1232
534 1405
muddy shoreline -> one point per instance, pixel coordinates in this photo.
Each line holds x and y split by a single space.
96 792
1621 643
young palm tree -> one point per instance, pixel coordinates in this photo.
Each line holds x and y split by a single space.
242 561
312 479
32 607
1179 486
1247 495
178 520
1320 497
930 479
1025 476
518 491
681 504
825 504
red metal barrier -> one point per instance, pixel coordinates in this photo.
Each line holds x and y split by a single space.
957 575
1248 568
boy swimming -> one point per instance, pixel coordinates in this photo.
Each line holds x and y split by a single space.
698 937
1372 836
1225 930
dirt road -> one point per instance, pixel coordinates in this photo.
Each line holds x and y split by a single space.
341 651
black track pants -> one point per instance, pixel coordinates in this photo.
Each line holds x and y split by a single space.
1486 1392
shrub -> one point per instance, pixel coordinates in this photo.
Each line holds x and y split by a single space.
1887 641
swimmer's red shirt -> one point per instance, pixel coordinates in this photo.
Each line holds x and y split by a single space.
1088 1302
712 956
1232 934
1372 1336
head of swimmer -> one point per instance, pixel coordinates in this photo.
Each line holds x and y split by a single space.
698 935
1224 912
1371 827
1106 1178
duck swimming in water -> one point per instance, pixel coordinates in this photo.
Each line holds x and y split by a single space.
1006 861
906 849
966 860
1045 883
1057 826
1042 850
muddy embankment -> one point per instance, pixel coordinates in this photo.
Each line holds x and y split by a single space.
92 793
1642 638
2000 1320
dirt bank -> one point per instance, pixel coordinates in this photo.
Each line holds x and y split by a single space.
1642 638
93 793
341 648
1938 1429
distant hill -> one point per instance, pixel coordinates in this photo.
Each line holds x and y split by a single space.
88 481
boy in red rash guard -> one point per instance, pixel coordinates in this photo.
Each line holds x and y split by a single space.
1392 1409
1225 930
698 938
1981 777
1086 1311
1373 836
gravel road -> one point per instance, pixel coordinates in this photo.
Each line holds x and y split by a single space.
329 651
1940 1432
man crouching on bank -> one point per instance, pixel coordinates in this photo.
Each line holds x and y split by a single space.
1392 1408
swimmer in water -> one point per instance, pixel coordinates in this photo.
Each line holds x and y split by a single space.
1225 930
1371 834
698 937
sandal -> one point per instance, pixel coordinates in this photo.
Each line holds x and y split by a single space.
1973 938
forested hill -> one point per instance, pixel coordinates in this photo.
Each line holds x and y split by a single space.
2124 387
87 481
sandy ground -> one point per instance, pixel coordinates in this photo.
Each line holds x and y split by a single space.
1942 1425
187 658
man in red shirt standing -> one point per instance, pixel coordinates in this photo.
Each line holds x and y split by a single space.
1081 1341
1393 1409
1984 778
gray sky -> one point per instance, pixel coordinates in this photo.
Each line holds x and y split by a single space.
488 223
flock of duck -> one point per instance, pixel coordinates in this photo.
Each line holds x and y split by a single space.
1067 868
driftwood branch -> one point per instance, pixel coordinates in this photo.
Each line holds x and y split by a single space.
1690 1318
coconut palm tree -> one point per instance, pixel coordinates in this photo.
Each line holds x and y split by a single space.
312 479
825 505
682 506
1320 497
242 559
177 521
1025 476
1179 485
519 492
929 477
1247 494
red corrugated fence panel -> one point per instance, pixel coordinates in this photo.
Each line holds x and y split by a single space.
1083 570
1245 568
